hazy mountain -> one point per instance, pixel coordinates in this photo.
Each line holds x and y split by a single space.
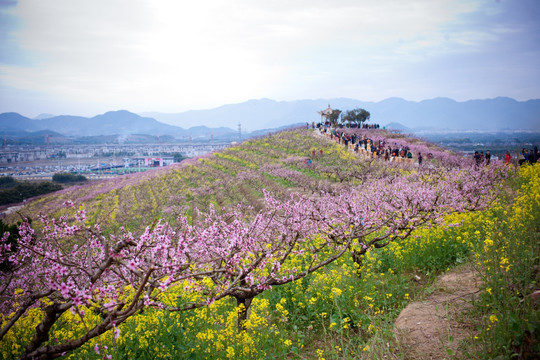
44 116
112 126
264 115
111 123
398 126
11 123
439 113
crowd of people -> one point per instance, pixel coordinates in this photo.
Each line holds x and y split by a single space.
327 124
392 151
528 156
481 158
364 145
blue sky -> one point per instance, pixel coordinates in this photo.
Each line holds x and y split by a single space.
88 57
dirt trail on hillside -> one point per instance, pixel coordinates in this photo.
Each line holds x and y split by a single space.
433 328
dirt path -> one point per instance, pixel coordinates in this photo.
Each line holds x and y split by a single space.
434 328
10 210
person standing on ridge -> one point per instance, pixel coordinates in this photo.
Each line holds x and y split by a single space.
507 158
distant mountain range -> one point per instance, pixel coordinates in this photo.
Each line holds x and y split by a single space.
440 113
258 117
119 123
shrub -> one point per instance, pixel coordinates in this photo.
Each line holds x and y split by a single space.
7 182
68 177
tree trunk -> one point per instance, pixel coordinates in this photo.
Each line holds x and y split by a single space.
52 313
358 258
243 311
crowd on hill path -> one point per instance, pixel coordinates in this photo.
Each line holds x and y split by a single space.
365 146
377 145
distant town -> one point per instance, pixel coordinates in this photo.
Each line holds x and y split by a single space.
31 162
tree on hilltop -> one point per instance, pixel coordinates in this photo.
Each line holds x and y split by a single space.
333 117
356 117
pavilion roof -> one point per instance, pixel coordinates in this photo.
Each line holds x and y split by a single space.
327 111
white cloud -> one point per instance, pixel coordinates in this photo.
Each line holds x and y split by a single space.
173 55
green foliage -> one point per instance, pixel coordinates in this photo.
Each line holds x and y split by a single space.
7 182
11 241
334 116
355 117
65 177
25 190
178 157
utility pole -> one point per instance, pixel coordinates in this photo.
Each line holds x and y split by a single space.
239 132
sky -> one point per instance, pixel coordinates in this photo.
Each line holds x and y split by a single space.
85 58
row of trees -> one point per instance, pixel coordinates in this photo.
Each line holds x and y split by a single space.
65 177
13 191
68 265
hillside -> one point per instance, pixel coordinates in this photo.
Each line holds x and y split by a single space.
285 246
236 175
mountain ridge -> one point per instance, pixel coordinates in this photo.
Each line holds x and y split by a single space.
501 113
262 115
118 122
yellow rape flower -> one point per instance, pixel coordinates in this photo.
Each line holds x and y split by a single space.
336 291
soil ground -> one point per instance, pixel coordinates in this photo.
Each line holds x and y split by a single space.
435 327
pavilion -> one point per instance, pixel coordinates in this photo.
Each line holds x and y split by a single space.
328 112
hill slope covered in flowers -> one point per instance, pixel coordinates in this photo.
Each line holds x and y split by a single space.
284 246
238 174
